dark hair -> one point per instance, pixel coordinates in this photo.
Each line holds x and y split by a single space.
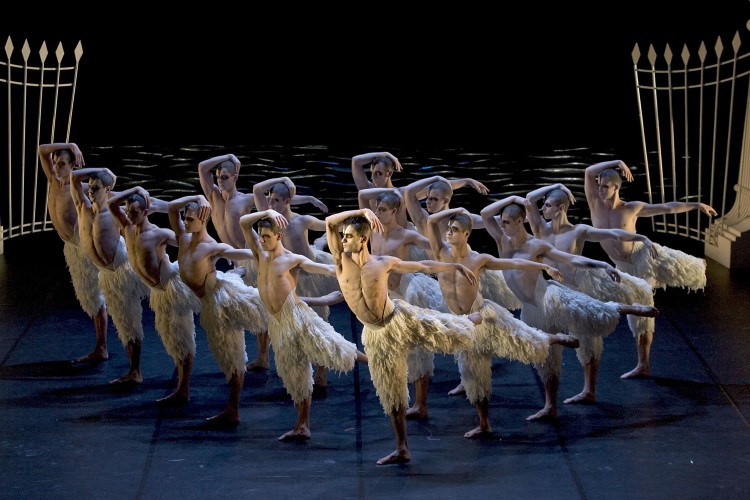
385 160
104 176
195 207
191 205
610 175
135 197
228 165
559 197
360 224
391 199
514 211
270 224
281 189
463 220
66 152
442 187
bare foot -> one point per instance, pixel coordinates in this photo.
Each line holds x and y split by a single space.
397 457
585 397
129 378
224 420
457 391
637 372
478 432
646 311
258 365
96 355
416 412
174 399
564 340
475 318
301 434
543 414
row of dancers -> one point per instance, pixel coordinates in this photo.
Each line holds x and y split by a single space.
402 262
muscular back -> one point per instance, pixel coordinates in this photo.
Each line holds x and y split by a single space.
226 214
365 289
295 236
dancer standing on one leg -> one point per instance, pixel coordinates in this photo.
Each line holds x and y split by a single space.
673 268
500 333
548 305
281 192
228 306
299 336
391 327
173 302
57 161
101 240
570 238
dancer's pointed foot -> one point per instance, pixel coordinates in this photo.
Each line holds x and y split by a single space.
564 340
645 311
459 390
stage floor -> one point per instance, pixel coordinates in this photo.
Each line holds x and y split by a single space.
681 433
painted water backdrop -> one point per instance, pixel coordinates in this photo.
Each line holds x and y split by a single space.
325 172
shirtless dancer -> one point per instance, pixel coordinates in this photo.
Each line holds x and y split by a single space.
547 305
417 289
228 306
553 226
382 165
391 327
298 334
228 204
499 333
281 192
57 161
101 240
438 194
672 268
173 302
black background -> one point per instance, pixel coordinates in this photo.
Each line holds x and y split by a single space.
528 76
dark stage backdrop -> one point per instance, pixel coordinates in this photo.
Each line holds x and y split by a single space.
536 76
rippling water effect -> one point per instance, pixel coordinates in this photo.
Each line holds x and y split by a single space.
325 172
